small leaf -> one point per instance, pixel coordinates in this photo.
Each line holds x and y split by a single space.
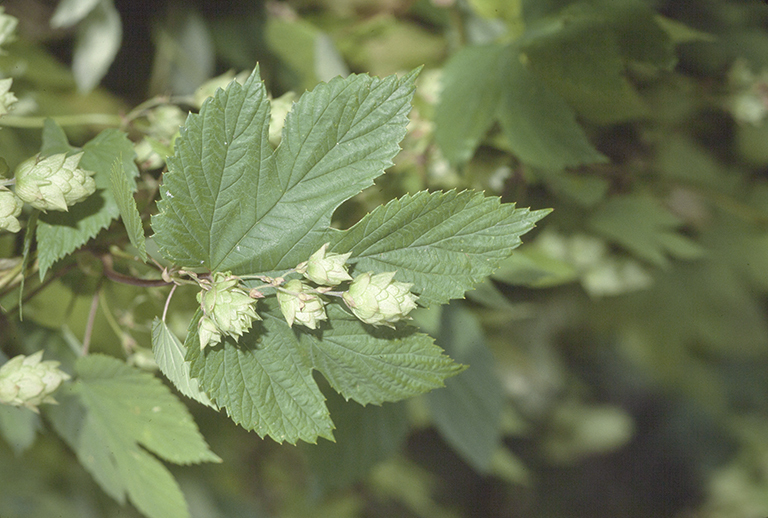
264 381
467 412
54 139
123 193
374 365
169 355
443 243
69 12
61 233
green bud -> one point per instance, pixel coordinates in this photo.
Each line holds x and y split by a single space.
300 305
6 96
378 299
28 381
10 210
325 269
227 310
53 183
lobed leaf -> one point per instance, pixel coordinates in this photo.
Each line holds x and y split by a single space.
443 243
374 365
109 413
336 140
264 381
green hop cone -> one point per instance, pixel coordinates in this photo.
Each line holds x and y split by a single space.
54 183
300 305
227 310
28 381
325 269
378 299
10 210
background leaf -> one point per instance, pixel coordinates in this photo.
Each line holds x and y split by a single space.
489 83
467 412
443 243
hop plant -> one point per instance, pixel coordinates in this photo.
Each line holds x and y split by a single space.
379 299
325 269
10 210
54 183
28 381
300 305
227 310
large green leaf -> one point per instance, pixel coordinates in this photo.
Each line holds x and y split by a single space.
336 140
110 411
373 365
443 243
61 233
265 380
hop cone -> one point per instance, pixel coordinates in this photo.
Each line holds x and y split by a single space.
378 299
28 381
227 310
301 306
53 183
10 210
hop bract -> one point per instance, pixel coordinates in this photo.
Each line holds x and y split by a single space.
10 210
299 305
378 299
227 310
54 183
28 381
325 269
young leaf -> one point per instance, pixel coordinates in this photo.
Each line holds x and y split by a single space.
169 355
336 140
61 233
112 410
443 243
123 193
374 365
